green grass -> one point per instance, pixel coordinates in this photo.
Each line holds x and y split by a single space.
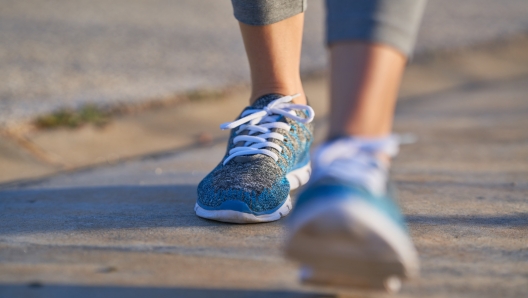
89 114
204 94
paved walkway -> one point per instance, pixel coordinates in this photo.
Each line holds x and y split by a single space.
29 154
129 229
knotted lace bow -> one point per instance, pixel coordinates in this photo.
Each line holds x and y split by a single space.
260 122
356 159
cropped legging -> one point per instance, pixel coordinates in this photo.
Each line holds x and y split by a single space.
390 22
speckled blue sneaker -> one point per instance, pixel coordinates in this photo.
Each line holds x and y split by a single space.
267 156
346 230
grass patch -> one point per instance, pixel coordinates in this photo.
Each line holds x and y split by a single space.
89 114
204 94
92 114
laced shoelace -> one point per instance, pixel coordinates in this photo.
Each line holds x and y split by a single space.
356 160
259 124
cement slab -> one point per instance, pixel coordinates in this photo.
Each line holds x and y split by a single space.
167 128
18 163
130 228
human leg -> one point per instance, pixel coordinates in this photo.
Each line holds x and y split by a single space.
345 227
274 54
268 151
272 34
369 42
364 83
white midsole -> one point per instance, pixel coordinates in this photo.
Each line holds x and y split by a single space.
242 217
296 178
357 212
299 177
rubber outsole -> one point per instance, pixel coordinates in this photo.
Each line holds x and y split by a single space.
351 244
296 178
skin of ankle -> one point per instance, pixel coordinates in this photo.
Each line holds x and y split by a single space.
301 99
274 55
365 79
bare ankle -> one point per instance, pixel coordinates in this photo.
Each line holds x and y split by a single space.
301 99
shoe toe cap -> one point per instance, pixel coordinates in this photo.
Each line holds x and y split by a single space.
256 197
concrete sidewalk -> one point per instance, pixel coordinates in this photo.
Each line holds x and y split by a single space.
128 229
29 153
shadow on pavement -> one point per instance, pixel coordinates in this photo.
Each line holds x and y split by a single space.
513 220
99 207
37 290
125 207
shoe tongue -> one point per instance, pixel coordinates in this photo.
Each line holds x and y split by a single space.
263 101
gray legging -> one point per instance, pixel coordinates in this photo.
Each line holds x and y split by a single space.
391 22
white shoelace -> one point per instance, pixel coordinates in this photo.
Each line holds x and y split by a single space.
356 160
262 121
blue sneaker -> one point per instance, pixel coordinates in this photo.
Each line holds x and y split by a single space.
267 156
346 230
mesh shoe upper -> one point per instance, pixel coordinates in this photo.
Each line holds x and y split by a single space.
258 180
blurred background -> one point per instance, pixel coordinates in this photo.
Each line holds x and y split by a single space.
69 53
